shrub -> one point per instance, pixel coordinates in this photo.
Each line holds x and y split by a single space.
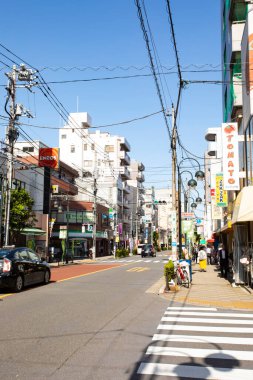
168 272
122 252
135 251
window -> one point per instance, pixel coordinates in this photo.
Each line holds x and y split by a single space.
238 12
87 163
92 146
33 256
72 149
63 136
85 146
109 148
24 255
28 149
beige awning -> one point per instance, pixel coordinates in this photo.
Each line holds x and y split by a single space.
243 209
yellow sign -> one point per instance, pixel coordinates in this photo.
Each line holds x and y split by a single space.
221 194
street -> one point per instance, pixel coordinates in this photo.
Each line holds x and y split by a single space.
106 319
90 327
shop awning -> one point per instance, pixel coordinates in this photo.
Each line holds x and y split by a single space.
243 209
32 231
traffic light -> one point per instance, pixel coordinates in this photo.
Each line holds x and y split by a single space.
160 202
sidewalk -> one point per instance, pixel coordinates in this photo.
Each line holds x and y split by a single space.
209 289
79 261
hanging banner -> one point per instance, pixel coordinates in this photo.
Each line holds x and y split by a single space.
216 210
221 194
229 132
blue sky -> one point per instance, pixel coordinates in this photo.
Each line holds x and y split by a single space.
95 33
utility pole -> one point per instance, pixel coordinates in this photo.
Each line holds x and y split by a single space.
11 137
174 188
15 110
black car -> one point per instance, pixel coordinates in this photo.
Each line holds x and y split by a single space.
20 267
148 250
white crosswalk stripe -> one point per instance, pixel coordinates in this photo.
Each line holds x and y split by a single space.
223 352
131 261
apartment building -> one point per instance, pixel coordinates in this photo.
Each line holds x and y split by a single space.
136 199
237 232
102 161
163 202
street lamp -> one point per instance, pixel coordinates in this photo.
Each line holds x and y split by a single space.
192 184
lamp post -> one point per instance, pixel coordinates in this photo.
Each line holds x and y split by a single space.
192 183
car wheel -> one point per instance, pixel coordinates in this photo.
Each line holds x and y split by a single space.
47 277
19 283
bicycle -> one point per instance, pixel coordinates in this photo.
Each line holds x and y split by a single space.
182 276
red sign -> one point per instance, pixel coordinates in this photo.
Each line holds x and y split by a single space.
49 157
212 192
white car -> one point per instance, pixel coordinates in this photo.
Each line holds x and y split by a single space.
139 248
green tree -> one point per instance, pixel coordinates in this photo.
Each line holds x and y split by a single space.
155 239
21 214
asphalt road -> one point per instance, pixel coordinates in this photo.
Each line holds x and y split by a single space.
95 326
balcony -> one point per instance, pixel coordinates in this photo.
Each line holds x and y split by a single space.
126 189
124 157
141 167
212 149
140 177
237 32
126 204
124 145
124 172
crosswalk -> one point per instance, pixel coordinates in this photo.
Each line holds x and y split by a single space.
200 343
151 260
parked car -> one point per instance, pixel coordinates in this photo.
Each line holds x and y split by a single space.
20 267
148 250
139 248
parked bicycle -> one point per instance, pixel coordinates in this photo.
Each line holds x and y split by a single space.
182 276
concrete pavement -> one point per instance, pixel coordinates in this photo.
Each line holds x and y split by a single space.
209 289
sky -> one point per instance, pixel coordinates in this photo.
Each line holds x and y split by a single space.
97 39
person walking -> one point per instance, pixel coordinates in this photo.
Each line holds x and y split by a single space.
202 259
223 258
208 253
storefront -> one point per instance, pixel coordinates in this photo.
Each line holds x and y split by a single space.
242 222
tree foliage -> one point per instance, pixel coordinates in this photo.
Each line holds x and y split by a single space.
21 214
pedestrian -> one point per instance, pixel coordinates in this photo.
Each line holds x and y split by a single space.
202 259
208 253
223 258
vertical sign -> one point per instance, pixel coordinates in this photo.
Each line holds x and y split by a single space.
230 156
221 194
174 232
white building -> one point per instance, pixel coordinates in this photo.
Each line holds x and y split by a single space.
136 199
102 161
163 200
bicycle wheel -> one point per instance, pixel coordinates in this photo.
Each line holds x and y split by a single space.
186 281
179 280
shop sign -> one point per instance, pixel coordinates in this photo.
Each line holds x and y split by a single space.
49 157
230 156
111 213
221 194
216 210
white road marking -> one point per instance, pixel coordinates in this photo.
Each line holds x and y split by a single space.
192 313
208 320
195 372
203 339
232 329
192 308
200 353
